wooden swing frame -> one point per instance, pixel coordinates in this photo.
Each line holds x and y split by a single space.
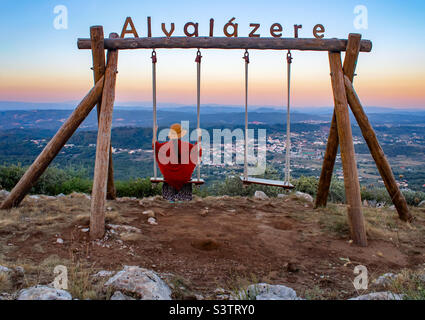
103 95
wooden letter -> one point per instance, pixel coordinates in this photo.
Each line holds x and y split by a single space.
296 28
351 178
195 32
277 27
168 34
255 27
149 27
132 31
234 26
319 28
212 28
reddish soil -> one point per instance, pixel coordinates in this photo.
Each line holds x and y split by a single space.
224 242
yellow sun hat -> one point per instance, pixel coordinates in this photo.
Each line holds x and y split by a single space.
176 132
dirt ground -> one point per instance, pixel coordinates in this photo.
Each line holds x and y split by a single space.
213 243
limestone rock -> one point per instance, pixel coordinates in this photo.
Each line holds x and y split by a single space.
304 196
43 293
264 291
119 296
141 282
260 195
379 296
385 279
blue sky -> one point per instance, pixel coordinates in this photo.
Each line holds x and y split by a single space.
42 64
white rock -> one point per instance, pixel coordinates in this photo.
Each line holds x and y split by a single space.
282 196
60 195
142 282
385 279
260 195
59 241
103 274
119 296
4 193
264 291
85 230
5 296
152 221
34 197
304 196
4 270
379 296
422 204
43 293
123 228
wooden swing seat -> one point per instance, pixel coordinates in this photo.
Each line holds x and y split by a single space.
197 182
267 182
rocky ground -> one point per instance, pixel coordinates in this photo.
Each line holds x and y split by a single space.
210 248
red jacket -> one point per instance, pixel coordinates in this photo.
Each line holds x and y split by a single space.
177 168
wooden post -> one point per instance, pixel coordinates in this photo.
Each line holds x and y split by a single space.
327 166
98 53
97 219
53 147
350 63
351 179
377 153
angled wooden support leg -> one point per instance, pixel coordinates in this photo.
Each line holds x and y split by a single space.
53 147
351 178
327 166
98 53
377 153
98 201
350 64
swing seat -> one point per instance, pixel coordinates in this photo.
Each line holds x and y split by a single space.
193 181
267 182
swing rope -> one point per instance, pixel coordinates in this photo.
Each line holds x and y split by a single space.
246 58
155 121
198 64
288 122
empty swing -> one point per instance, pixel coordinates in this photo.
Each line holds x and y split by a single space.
246 179
155 179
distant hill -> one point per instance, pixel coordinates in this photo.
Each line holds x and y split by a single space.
52 116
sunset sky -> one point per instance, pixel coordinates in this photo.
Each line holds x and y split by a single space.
42 64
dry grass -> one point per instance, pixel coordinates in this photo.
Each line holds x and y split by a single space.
409 283
44 217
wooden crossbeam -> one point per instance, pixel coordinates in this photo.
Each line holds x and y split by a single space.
227 43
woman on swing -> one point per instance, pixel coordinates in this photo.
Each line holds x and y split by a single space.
177 160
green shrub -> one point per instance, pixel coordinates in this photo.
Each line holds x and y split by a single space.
138 188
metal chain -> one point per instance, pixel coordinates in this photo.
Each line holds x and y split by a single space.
288 121
154 61
198 61
246 58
